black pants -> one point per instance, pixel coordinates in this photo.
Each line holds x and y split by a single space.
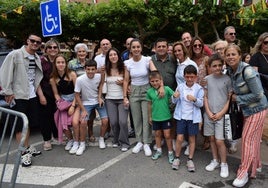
47 124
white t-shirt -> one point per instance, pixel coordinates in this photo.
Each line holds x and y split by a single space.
139 71
100 59
88 88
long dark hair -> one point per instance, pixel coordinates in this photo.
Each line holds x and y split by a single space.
108 64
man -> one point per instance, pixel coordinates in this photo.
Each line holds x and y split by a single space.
105 45
230 34
230 37
186 38
167 67
126 54
20 77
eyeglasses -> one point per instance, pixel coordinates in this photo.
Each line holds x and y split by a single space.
54 47
265 42
232 34
199 45
35 41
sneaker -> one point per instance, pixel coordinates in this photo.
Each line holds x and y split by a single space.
232 149
147 150
33 151
137 148
170 157
224 170
47 146
102 143
69 145
156 155
186 152
259 169
26 159
241 182
55 141
74 148
81 149
115 145
176 164
213 165
190 166
162 143
123 149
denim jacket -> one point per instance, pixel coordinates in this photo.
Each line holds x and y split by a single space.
249 91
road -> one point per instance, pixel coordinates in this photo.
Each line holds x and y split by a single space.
112 168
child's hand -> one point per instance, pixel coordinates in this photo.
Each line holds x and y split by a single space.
71 110
84 116
101 102
119 82
176 94
191 98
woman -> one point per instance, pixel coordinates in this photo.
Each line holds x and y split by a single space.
62 82
117 112
138 68
248 93
198 56
47 123
259 61
219 47
182 56
246 57
77 64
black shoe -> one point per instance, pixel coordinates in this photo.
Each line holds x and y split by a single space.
33 151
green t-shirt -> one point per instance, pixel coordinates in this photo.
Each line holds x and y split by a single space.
160 106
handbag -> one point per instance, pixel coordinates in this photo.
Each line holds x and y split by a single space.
233 122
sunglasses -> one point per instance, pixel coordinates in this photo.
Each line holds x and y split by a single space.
35 41
232 34
265 42
199 45
54 47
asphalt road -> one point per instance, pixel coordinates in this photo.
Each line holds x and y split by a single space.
112 168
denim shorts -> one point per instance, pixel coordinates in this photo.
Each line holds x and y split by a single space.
187 127
161 125
101 110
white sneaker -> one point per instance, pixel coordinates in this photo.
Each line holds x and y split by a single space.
162 143
147 150
224 170
74 149
212 165
69 145
186 152
137 148
241 182
102 143
81 149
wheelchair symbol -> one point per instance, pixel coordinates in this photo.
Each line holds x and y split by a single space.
50 22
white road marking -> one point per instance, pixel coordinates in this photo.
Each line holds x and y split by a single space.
40 175
97 170
188 185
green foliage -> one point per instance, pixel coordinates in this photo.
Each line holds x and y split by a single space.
120 19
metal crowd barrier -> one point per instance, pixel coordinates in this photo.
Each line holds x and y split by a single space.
10 116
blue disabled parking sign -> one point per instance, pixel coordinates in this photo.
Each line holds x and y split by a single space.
50 18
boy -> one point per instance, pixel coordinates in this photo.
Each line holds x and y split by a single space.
187 114
88 94
159 114
216 102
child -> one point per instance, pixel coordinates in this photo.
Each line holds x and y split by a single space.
216 102
88 93
187 114
159 114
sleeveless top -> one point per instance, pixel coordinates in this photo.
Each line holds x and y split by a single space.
65 87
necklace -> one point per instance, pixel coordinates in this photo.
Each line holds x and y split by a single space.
264 58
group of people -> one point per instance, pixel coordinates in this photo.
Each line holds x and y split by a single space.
176 93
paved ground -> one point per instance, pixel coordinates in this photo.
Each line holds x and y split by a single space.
112 168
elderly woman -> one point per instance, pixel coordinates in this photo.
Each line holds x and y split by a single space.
249 95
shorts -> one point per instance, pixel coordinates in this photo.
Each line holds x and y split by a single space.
213 128
161 125
101 110
187 127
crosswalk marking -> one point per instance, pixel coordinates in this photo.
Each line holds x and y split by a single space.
40 175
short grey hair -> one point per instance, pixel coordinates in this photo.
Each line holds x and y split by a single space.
80 45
